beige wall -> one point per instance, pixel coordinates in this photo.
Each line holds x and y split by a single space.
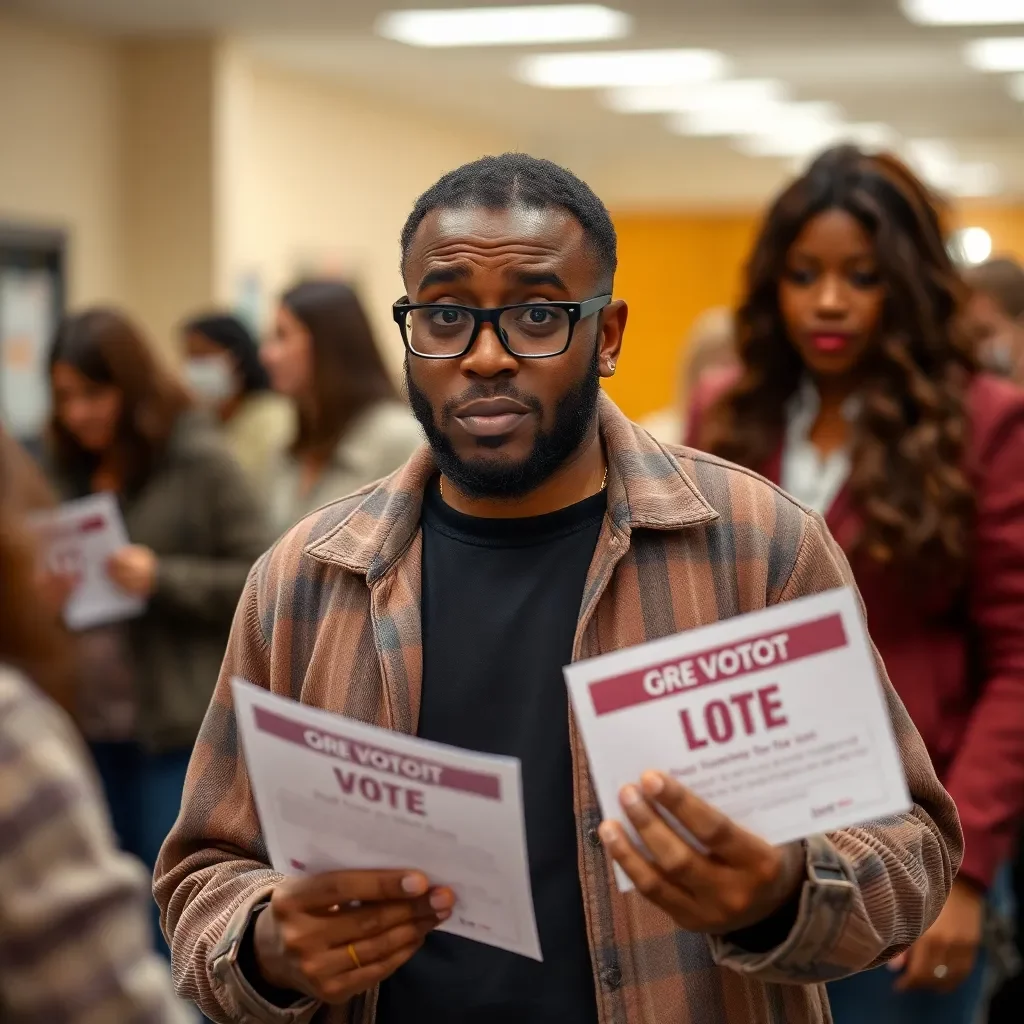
325 178
59 147
168 160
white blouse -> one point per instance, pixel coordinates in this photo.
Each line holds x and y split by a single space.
815 480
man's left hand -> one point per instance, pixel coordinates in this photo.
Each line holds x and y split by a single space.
943 957
739 882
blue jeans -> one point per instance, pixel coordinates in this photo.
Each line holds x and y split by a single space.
869 998
144 793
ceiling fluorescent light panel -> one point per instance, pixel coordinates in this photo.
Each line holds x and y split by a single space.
964 12
1001 54
726 95
505 26
779 118
607 69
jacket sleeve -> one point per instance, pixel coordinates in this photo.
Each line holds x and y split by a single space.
871 891
987 776
75 944
213 872
207 587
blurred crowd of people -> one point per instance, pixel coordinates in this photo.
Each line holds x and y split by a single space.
877 384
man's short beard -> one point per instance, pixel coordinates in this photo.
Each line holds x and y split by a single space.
500 477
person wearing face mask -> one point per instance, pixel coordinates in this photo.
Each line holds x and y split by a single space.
124 425
352 427
858 392
223 371
995 315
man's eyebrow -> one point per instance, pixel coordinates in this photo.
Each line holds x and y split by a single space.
539 277
444 275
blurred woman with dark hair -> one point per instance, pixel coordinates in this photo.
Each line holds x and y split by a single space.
352 426
73 922
224 373
123 424
859 393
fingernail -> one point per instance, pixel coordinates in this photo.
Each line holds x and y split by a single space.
630 796
414 885
441 900
652 782
609 833
443 915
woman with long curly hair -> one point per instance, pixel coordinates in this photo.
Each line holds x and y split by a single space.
75 942
859 394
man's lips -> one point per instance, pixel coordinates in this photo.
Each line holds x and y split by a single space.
491 417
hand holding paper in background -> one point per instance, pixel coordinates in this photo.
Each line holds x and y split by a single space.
80 539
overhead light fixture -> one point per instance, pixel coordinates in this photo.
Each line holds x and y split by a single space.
505 26
970 245
727 95
800 141
610 68
964 12
1016 87
937 162
976 180
999 54
773 119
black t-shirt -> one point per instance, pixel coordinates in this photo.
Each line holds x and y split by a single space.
501 599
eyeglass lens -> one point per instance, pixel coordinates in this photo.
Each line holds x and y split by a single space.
529 330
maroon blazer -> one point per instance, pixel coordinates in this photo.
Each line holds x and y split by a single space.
957 658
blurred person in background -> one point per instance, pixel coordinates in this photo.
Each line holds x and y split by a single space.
709 350
21 481
225 375
995 315
352 426
123 424
859 393
75 946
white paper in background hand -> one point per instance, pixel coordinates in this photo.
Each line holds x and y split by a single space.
78 539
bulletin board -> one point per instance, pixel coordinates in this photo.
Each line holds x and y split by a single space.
32 295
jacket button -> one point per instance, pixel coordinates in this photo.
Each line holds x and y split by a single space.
593 837
611 976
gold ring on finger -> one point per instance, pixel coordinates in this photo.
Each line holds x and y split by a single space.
355 956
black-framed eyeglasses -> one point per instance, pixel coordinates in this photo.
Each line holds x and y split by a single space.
528 330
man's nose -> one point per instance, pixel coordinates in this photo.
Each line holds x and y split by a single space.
488 357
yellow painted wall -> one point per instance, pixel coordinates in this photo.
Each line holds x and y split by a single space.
673 266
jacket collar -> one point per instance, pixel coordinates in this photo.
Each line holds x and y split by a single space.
647 489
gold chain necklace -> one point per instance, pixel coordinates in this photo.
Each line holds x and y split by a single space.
604 482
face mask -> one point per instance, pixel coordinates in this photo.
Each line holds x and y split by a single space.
210 379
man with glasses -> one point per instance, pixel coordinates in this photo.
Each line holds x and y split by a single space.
537 527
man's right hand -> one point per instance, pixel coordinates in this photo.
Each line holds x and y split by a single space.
336 935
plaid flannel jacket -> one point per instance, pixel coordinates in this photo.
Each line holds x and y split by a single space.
331 617
75 942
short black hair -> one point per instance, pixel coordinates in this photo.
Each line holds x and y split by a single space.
229 333
518 179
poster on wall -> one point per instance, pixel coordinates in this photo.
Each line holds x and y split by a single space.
27 305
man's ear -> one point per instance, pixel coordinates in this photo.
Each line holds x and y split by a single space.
613 326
